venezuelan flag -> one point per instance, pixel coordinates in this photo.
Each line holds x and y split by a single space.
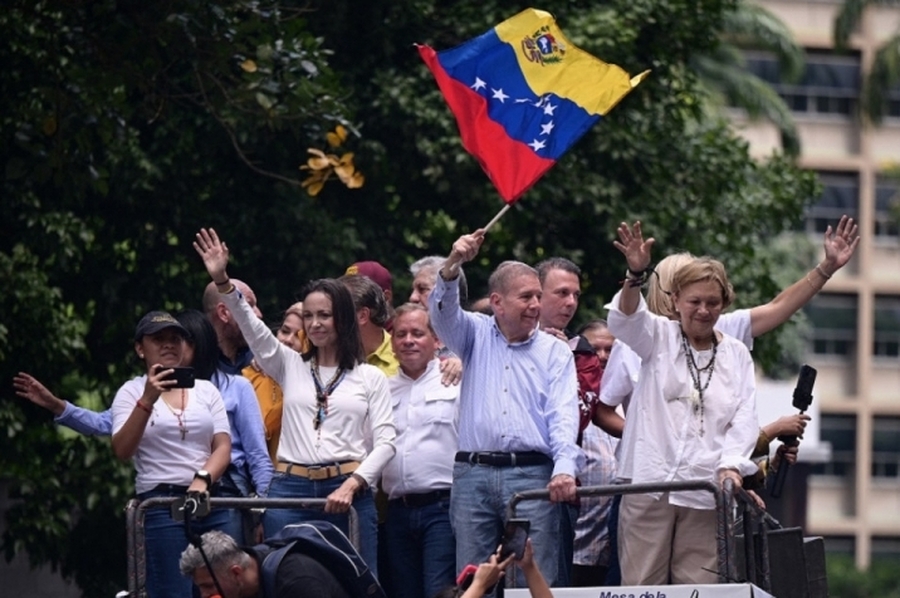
522 94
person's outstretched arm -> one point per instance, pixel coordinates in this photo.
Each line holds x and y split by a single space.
84 421
839 247
537 584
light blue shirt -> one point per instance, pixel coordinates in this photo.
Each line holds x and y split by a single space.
248 436
248 439
515 397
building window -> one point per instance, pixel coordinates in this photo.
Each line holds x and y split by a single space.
833 319
840 195
886 447
893 103
887 207
830 83
887 327
840 431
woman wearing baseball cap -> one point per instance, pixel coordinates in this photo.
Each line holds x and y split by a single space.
177 434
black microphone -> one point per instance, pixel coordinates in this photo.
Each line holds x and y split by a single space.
802 400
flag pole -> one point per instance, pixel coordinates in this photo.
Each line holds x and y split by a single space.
497 217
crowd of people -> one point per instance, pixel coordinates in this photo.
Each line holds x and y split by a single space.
426 419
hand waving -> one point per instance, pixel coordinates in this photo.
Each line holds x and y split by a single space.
840 244
633 246
214 253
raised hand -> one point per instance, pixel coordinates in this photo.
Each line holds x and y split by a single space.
156 383
840 244
214 253
633 246
30 388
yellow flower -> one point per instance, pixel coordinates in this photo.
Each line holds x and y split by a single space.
338 137
321 165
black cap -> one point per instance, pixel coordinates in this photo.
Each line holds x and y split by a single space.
155 321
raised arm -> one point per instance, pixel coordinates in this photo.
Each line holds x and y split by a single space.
637 253
839 247
126 439
464 250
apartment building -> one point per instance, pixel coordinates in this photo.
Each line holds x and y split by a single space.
853 499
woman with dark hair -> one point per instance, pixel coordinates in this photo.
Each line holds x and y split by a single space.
335 405
250 471
179 440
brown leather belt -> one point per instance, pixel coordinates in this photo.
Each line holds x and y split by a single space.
318 472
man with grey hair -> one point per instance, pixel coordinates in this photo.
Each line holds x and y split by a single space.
518 410
238 572
425 272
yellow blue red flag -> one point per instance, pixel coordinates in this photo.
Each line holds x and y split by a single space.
522 94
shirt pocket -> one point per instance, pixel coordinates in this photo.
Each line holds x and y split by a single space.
440 407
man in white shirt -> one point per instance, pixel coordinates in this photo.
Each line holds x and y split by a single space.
417 480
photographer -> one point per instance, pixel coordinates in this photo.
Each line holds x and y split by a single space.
180 442
488 574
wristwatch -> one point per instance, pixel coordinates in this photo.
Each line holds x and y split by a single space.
205 476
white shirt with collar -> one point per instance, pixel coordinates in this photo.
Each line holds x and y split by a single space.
426 416
663 440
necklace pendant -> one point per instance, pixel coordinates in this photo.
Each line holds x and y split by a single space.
695 398
183 433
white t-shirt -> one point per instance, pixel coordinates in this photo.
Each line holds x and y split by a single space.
163 457
671 435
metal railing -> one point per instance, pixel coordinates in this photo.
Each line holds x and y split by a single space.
756 523
134 523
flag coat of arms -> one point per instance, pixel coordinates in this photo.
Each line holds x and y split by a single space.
522 94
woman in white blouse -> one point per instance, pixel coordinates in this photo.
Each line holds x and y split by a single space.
692 416
334 404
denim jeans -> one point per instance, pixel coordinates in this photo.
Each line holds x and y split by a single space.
478 512
290 486
236 484
165 540
422 549
568 516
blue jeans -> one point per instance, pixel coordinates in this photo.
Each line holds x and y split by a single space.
165 540
236 484
290 486
568 516
478 512
422 549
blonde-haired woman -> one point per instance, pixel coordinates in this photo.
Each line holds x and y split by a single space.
693 416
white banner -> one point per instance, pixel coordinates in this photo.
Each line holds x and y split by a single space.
730 590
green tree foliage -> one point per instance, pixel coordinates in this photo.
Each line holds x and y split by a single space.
880 580
128 125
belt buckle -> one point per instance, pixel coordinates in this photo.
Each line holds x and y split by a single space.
317 472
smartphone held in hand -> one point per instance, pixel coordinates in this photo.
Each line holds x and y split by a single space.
514 538
183 377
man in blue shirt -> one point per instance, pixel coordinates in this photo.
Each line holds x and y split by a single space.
518 410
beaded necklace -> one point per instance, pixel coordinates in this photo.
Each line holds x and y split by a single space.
323 391
179 415
697 375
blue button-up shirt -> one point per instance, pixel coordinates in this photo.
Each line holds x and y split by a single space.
515 396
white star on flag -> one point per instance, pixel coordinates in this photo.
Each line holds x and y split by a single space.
499 95
536 145
545 129
549 108
479 84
